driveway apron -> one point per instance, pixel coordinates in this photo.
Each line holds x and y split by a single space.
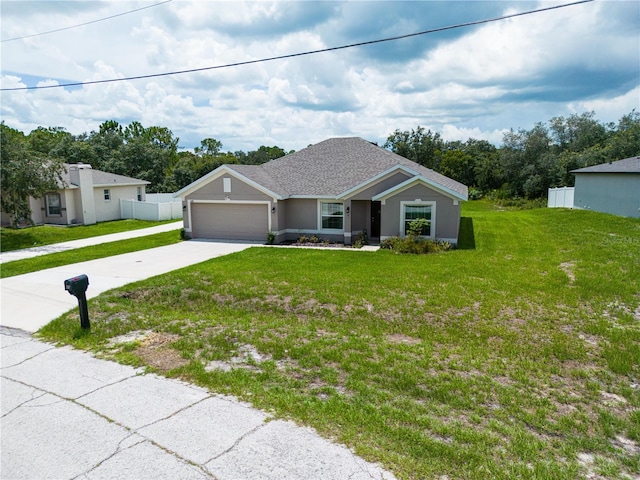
32 300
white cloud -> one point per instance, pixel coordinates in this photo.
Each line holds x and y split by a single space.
469 83
609 109
453 133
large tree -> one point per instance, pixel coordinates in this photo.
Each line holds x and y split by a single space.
420 146
24 174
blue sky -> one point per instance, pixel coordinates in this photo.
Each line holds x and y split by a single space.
470 82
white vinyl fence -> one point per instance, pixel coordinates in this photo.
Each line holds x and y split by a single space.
561 197
155 211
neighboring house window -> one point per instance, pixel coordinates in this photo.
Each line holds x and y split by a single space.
107 195
332 215
226 185
54 207
139 194
414 211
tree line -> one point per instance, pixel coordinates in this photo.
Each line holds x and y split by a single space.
526 164
529 162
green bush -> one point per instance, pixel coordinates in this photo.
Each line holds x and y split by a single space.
418 227
271 238
475 194
414 245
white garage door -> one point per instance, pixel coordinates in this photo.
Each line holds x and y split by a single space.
229 221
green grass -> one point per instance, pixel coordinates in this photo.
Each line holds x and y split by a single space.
17 239
84 254
516 356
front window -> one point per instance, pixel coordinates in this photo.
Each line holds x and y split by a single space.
54 206
415 212
107 195
332 216
139 194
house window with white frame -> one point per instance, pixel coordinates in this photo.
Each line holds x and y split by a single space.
139 194
332 216
54 205
107 195
411 212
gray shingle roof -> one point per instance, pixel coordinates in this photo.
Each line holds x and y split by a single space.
627 165
332 167
101 178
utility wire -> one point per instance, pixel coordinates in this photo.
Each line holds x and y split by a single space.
293 55
83 24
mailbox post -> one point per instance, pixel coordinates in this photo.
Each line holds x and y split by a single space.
77 286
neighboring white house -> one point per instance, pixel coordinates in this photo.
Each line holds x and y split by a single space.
612 187
86 196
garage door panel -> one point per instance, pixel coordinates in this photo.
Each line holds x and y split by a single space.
230 221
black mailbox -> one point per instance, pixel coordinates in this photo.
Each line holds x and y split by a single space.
77 286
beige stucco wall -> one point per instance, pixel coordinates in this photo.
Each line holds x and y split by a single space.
39 209
446 212
110 210
69 204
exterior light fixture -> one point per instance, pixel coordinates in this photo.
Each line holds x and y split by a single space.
348 209
273 209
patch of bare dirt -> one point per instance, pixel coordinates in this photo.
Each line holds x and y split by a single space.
626 444
246 357
155 350
611 399
140 294
135 336
567 268
400 339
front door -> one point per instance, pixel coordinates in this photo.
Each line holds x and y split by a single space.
375 220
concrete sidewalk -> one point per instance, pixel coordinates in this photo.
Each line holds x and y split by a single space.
68 415
86 242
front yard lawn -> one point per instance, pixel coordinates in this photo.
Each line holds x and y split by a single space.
516 357
17 239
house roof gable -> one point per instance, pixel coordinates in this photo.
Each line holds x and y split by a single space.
423 181
233 171
101 179
627 165
377 178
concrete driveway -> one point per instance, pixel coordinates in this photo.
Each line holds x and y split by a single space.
32 300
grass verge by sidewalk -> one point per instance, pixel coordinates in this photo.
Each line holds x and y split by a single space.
84 254
516 357
17 239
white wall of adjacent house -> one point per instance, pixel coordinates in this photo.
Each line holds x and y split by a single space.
81 175
107 200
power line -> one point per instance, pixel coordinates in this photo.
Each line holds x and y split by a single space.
300 54
83 24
